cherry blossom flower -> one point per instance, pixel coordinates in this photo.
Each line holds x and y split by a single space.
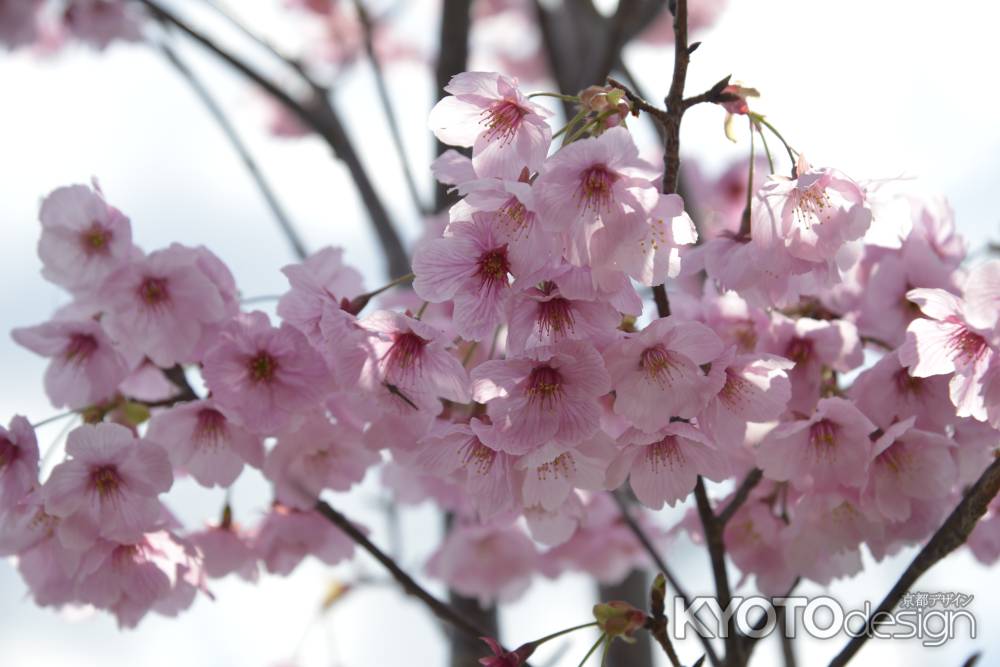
944 343
754 388
548 394
655 373
829 449
490 563
225 550
553 472
86 367
162 304
83 238
202 442
108 488
908 464
662 467
261 376
409 367
18 462
887 393
158 572
486 111
541 315
320 283
315 455
101 22
286 536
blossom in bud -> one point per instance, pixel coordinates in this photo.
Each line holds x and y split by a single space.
735 104
608 102
619 619
487 111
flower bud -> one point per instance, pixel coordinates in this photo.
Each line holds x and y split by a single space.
619 619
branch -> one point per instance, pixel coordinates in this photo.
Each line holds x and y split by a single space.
742 493
647 544
319 115
386 101
215 110
951 535
453 57
440 609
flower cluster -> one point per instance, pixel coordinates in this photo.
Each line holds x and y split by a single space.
834 342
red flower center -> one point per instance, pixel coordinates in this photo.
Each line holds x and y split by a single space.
106 480
80 347
210 427
96 239
799 350
407 351
596 185
262 367
966 345
153 291
544 386
494 267
502 119
823 436
555 316
656 361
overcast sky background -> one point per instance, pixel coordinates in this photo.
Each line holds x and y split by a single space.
878 89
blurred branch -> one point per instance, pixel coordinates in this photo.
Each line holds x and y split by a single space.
951 535
740 496
199 88
661 565
440 609
367 28
316 113
717 556
453 58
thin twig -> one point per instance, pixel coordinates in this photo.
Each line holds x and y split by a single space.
739 497
440 609
395 134
951 535
220 117
319 115
651 550
717 556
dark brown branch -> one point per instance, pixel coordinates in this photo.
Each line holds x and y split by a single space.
317 114
440 609
222 120
951 535
453 57
740 496
654 555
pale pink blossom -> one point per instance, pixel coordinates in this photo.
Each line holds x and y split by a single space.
541 315
18 22
552 472
490 563
315 455
824 538
108 488
945 343
887 393
548 394
588 182
161 305
656 373
754 388
86 367
202 442
18 462
320 283
286 536
410 366
158 572
486 111
261 376
909 464
985 538
662 467
815 346
828 450
83 238
555 526
485 474
226 549
754 539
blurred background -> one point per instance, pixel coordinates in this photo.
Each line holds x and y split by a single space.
889 89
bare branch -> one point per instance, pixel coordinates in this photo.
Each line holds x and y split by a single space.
951 535
740 496
217 113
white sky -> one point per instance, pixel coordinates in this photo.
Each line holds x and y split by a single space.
878 89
